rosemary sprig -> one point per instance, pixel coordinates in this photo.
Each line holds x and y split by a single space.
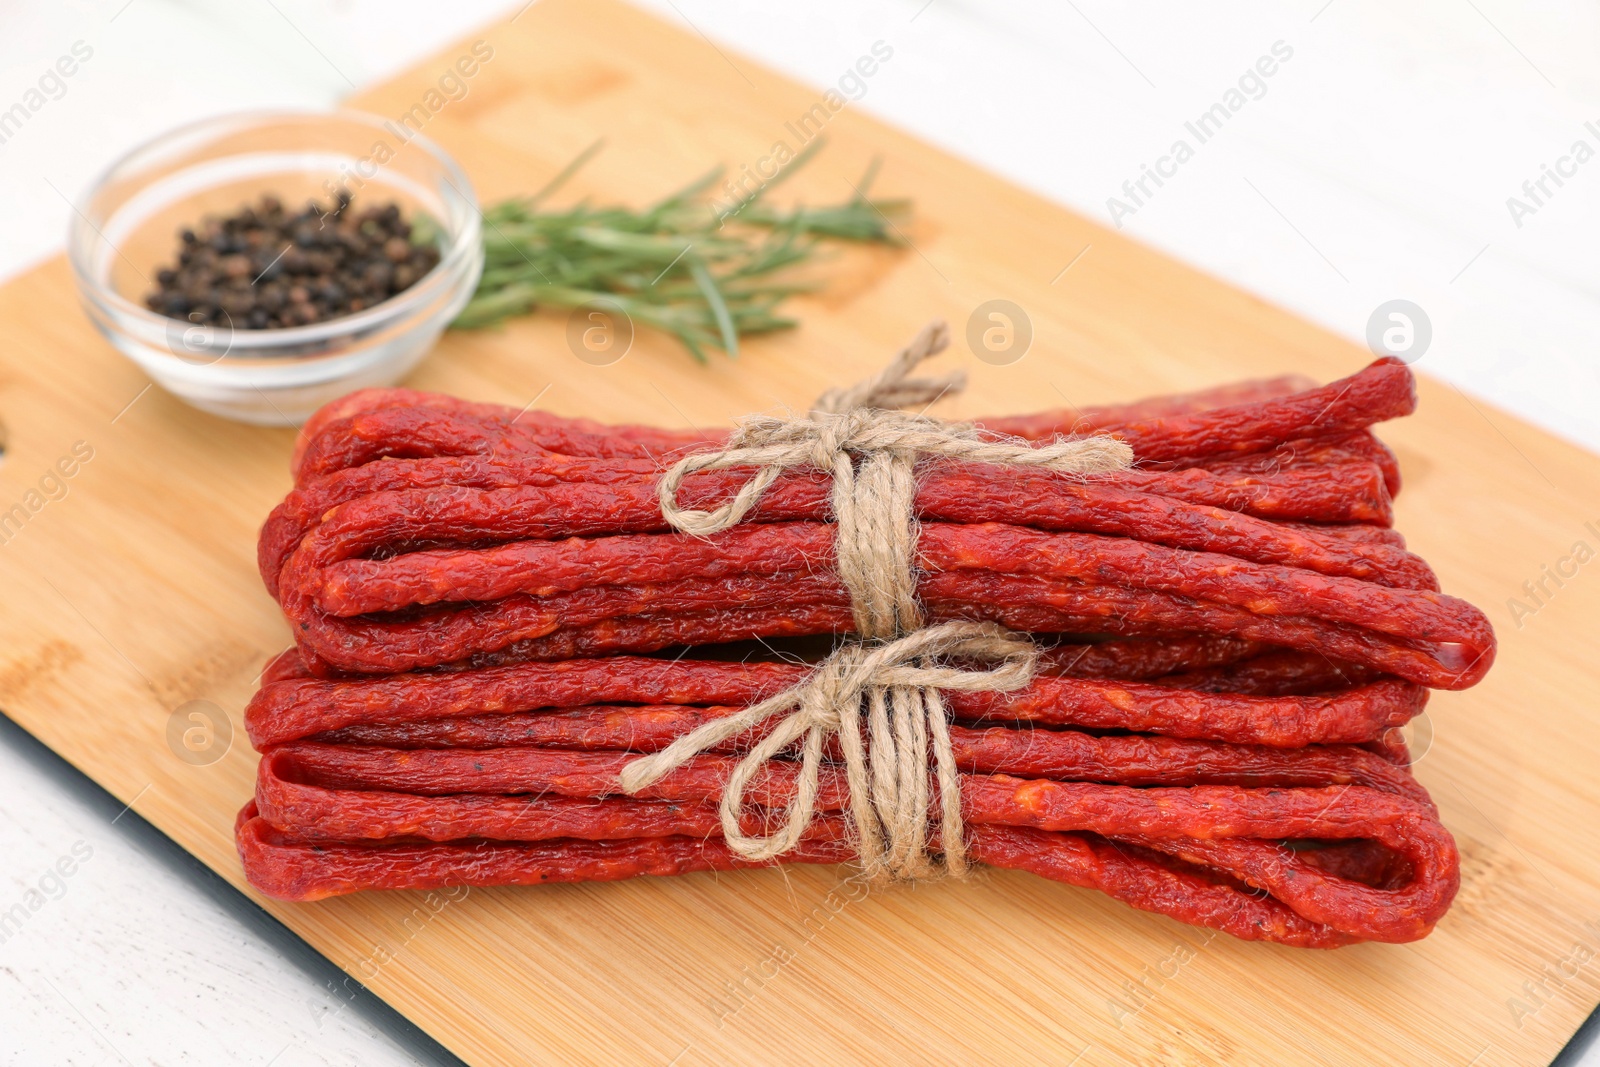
708 276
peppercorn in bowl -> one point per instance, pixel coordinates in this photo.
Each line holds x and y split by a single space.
260 265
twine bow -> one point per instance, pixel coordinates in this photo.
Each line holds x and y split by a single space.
895 669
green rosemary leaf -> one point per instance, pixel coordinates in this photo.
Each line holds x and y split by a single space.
719 307
564 174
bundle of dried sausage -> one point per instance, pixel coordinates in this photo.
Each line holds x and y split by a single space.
1232 639
379 782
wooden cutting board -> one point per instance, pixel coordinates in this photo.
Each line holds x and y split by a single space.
130 589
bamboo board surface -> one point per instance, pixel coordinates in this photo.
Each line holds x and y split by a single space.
134 591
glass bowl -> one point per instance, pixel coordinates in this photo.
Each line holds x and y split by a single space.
129 226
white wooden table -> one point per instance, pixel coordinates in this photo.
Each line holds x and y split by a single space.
1374 163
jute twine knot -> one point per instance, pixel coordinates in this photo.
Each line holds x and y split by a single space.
894 671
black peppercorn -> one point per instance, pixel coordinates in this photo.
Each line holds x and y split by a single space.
263 268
